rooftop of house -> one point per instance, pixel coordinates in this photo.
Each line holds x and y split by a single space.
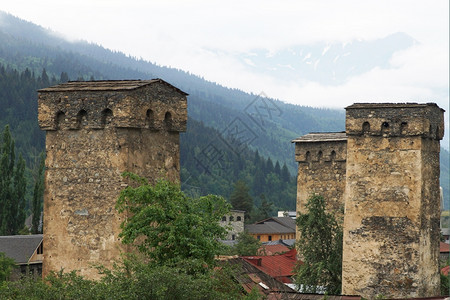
286 242
321 137
272 225
20 247
250 277
105 85
273 249
444 247
279 266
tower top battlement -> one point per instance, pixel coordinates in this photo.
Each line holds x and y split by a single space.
151 104
395 119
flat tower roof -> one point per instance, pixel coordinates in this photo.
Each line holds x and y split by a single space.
321 137
105 85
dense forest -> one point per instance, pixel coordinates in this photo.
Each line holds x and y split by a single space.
212 159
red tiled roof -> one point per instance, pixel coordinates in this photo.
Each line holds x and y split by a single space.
273 249
444 247
278 266
445 270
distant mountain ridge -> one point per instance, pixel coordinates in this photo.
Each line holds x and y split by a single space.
328 64
269 124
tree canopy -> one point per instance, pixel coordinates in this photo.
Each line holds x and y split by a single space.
240 198
12 187
182 229
320 249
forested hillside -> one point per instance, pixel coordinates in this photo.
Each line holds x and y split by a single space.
31 58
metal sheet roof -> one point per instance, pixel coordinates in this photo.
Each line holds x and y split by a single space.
272 226
20 247
321 137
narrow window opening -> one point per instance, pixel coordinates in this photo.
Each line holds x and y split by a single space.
385 127
224 218
308 156
319 156
81 119
333 155
403 128
231 218
107 116
168 120
59 120
150 119
270 237
366 127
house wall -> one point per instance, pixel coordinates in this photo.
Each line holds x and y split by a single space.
264 237
235 222
92 137
391 225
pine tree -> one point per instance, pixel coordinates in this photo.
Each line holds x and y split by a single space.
20 186
12 187
240 198
38 194
6 174
320 249
285 176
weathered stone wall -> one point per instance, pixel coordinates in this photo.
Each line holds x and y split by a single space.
391 226
321 170
93 136
235 221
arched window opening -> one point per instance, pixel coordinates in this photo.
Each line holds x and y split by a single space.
81 119
366 127
403 128
150 118
168 120
308 156
333 155
238 218
60 119
107 116
385 127
224 218
319 156
231 218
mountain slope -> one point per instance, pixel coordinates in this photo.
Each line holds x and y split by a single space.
264 124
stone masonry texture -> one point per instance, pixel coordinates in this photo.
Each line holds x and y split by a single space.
391 225
384 171
95 131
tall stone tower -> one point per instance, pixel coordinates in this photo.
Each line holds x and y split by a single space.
95 131
321 161
391 225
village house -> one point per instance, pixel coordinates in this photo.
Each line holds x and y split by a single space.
272 229
26 250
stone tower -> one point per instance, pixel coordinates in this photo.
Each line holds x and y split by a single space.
391 225
321 161
95 131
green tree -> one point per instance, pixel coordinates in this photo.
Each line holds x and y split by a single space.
38 194
246 245
240 198
7 265
12 187
170 228
320 248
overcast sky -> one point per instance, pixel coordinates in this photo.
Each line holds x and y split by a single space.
205 37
